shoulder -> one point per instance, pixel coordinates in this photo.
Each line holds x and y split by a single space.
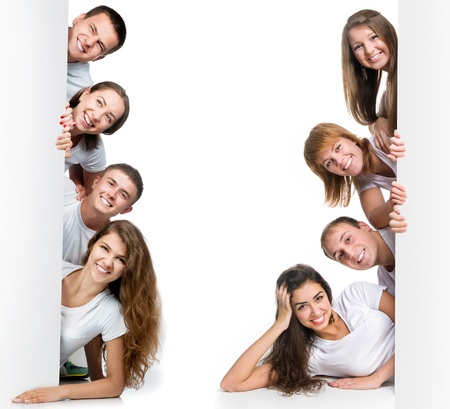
362 293
68 268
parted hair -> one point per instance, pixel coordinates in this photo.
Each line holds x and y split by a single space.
290 353
360 93
138 294
338 189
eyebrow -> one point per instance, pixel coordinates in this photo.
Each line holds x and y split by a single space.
104 102
120 188
305 302
340 240
331 149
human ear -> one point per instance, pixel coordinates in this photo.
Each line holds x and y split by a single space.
127 210
78 19
364 226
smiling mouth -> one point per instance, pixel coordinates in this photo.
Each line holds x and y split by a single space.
375 58
80 46
88 120
102 270
361 256
349 162
319 320
105 201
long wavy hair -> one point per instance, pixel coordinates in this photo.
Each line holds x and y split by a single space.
92 140
338 189
138 294
289 355
360 93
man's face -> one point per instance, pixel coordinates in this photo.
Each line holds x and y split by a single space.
352 247
113 194
90 38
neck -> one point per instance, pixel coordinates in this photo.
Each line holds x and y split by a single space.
90 217
385 256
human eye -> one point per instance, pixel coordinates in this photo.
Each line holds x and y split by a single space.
338 147
374 37
357 47
301 307
103 247
319 298
108 119
328 164
347 239
121 260
99 102
92 27
340 255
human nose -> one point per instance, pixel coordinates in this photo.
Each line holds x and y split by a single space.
315 312
91 40
368 48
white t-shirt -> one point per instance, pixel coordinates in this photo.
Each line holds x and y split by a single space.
370 180
370 343
91 161
386 277
78 77
79 325
76 234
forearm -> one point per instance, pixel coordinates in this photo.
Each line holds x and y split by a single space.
379 216
103 388
386 372
244 374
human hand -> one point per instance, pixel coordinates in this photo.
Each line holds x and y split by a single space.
39 395
81 190
64 141
396 148
381 134
397 221
284 306
361 383
398 193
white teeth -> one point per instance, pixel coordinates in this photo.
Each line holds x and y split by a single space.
102 269
318 320
361 256
375 57
348 164
80 46
88 121
105 202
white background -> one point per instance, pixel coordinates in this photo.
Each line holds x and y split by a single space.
223 95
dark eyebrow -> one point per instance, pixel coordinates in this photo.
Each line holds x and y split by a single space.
121 189
304 302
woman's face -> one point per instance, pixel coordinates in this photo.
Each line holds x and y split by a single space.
342 157
98 110
107 260
368 49
311 306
